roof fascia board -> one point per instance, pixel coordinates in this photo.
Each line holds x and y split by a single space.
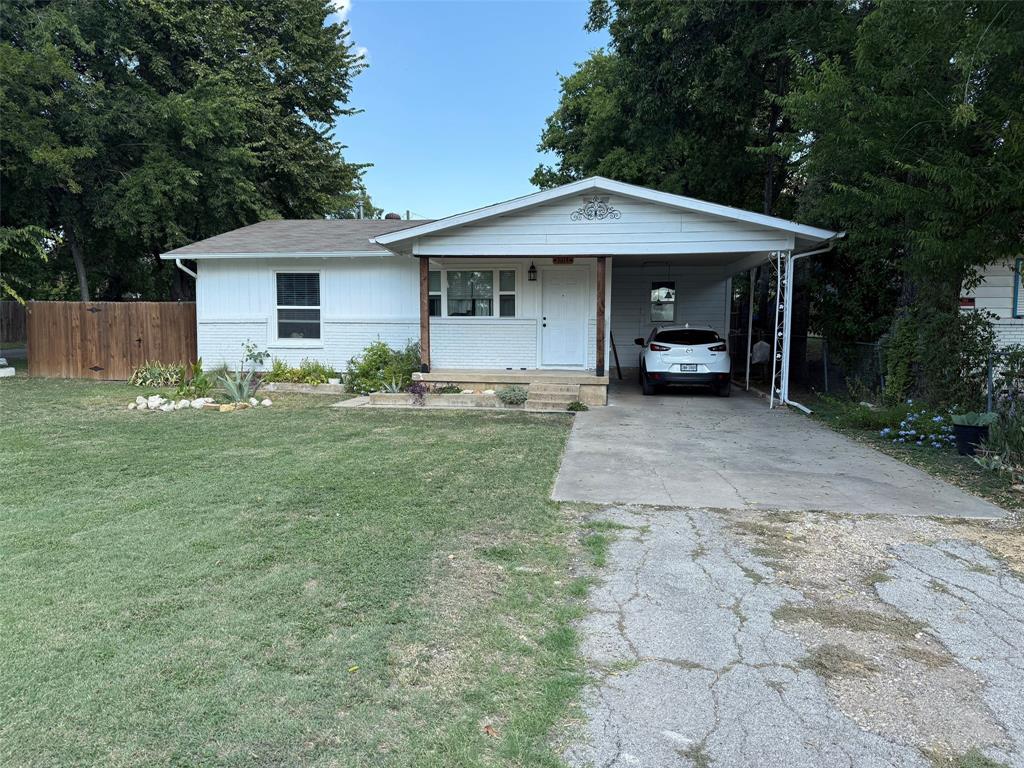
604 185
171 255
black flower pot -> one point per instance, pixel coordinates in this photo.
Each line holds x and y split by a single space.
968 438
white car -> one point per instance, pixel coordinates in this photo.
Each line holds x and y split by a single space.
685 354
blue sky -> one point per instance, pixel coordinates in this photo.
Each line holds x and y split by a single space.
455 96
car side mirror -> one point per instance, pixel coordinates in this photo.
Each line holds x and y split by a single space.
638 341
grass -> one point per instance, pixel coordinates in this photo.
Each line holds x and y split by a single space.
832 660
863 425
296 585
853 619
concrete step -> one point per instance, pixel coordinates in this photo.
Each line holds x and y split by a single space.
551 397
532 405
544 388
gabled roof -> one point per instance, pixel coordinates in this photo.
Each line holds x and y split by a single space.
295 237
608 186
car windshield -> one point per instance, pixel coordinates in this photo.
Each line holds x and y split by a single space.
686 336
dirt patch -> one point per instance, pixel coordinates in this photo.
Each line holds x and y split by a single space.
883 670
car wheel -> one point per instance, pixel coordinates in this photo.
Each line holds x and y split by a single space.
645 384
724 390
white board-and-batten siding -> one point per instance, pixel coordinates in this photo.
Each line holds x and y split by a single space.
995 294
641 227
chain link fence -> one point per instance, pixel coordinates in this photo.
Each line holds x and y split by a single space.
859 372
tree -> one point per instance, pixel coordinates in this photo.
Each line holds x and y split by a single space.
132 128
915 144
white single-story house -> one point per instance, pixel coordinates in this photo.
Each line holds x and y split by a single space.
553 283
1001 293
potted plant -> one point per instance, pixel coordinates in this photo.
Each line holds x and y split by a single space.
971 430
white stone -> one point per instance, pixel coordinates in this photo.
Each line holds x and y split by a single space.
253 401
3 362
143 405
266 401
140 400
154 401
488 391
132 406
199 402
5 372
167 407
467 391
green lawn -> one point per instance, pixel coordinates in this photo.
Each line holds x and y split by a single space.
944 463
299 585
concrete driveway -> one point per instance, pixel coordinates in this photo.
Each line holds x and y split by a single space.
692 449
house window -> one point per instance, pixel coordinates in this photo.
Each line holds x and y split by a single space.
434 293
663 301
507 293
470 293
298 305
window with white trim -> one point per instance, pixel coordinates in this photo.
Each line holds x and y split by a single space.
298 305
473 293
434 293
507 293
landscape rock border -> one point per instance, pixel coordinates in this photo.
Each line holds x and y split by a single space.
163 404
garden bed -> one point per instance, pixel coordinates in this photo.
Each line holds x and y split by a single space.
304 389
463 400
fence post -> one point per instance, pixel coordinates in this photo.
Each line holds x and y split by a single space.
824 361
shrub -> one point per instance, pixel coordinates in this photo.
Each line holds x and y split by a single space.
153 374
513 395
313 372
418 390
279 371
380 366
197 385
577 405
308 372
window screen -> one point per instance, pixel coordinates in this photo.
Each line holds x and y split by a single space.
434 293
298 305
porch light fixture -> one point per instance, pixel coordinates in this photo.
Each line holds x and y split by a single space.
531 273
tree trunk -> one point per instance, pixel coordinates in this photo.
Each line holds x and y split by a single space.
79 259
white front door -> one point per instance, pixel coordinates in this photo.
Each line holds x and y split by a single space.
564 318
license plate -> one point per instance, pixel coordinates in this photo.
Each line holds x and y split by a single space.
688 368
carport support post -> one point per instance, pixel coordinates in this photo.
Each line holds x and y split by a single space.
601 269
424 314
750 324
787 323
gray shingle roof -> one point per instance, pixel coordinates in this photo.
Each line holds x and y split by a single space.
296 236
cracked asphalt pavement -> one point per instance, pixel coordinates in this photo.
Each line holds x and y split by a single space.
802 639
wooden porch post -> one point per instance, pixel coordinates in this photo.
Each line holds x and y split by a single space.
424 314
600 315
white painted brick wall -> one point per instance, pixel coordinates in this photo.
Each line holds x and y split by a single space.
220 342
483 343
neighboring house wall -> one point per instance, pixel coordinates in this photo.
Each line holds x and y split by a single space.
996 294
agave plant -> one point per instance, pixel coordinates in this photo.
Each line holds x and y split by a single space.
239 386
393 387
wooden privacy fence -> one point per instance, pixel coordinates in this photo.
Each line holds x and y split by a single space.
107 339
12 322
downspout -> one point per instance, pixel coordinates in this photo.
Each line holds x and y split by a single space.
186 270
790 273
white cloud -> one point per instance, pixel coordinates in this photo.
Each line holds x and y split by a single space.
341 8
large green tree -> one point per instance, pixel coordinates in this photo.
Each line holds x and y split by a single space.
687 100
134 126
914 143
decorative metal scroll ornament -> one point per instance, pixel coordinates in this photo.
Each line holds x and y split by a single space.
595 208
